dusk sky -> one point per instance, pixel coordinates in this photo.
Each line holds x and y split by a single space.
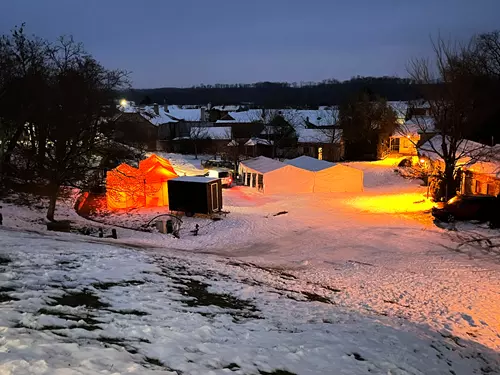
187 42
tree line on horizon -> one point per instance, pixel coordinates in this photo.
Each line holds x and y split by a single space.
281 94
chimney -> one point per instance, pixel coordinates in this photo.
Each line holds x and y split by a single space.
209 106
203 114
165 105
156 109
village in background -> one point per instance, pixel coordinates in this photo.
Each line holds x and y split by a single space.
142 237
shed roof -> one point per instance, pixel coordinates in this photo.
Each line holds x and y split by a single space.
263 164
310 164
197 179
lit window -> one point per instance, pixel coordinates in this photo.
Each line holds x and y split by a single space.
320 153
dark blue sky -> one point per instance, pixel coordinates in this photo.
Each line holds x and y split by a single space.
187 42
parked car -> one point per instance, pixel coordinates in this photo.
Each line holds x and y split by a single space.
224 174
468 207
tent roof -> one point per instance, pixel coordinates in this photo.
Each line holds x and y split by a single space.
126 170
151 162
263 164
310 164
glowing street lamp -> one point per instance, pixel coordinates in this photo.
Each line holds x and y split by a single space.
123 102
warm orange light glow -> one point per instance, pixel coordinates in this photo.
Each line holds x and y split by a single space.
123 102
422 161
129 187
394 203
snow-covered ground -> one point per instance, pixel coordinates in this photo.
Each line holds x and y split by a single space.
71 306
337 274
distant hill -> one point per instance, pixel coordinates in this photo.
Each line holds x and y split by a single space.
279 94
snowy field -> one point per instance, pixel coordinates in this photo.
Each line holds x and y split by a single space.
340 284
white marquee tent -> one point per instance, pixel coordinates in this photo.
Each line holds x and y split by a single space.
330 177
274 177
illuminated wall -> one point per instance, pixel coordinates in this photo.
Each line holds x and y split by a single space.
146 186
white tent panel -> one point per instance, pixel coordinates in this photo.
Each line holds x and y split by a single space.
288 180
261 165
338 179
310 164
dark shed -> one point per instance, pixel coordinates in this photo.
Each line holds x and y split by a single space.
195 195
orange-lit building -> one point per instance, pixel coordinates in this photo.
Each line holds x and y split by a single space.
146 186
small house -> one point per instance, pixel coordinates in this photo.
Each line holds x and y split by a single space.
408 136
256 146
480 178
322 144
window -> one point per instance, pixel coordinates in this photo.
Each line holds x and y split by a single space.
320 153
478 187
260 182
254 179
305 150
223 174
395 144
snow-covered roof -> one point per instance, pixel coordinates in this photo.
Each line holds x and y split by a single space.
162 118
220 133
416 125
258 141
197 179
401 108
127 107
186 114
225 121
262 164
251 115
174 113
317 117
233 143
486 167
296 117
310 164
227 107
318 135
468 152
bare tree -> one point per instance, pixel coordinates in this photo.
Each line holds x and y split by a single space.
453 98
278 131
76 126
197 135
23 72
331 132
57 101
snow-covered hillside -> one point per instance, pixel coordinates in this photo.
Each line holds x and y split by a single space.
71 306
